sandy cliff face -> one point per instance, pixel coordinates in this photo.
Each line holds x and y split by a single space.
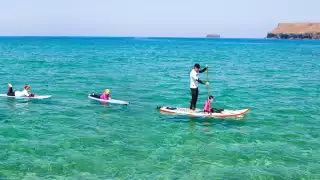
296 31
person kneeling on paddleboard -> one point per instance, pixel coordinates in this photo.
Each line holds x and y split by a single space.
25 92
105 95
207 106
194 79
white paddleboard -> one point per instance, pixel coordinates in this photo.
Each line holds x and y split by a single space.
24 97
111 101
186 111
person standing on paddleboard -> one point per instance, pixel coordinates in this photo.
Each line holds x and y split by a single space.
194 80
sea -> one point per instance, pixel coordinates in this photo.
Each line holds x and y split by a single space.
72 137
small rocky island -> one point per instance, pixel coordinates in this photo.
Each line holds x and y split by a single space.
295 31
213 36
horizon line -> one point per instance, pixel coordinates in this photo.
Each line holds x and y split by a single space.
93 36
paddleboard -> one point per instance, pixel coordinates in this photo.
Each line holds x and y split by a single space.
199 113
111 101
24 97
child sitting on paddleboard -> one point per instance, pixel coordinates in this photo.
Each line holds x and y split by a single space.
207 106
105 95
25 92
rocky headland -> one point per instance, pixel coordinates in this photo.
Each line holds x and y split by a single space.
296 31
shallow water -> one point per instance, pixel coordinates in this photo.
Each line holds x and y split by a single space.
71 137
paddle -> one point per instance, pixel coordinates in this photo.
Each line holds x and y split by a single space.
207 77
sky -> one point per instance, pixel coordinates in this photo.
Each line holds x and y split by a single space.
152 18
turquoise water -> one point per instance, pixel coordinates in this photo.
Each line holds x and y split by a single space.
71 137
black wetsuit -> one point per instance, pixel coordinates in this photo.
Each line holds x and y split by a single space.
215 110
10 92
95 95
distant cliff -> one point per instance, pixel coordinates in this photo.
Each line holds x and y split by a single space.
296 31
213 36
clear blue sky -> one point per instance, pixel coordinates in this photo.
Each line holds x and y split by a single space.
186 18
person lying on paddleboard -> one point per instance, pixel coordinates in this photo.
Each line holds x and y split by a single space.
105 95
207 106
194 80
24 93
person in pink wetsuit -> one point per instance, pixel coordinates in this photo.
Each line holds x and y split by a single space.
105 95
207 106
